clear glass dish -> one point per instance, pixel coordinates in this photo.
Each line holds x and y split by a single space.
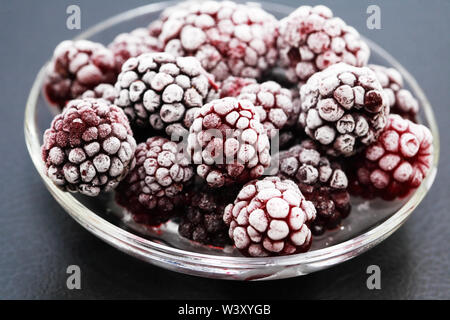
369 223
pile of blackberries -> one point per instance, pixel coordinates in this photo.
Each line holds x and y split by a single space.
253 132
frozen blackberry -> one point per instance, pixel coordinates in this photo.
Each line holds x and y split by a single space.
232 86
273 103
321 181
154 188
163 92
311 39
344 108
140 213
77 66
270 217
89 147
228 142
133 44
227 38
104 91
401 101
396 163
203 221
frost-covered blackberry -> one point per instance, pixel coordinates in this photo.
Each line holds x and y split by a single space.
311 40
401 100
344 108
89 147
321 180
203 221
270 217
228 142
155 186
226 37
396 163
160 91
77 66
133 44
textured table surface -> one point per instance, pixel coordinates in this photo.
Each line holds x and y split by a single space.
38 240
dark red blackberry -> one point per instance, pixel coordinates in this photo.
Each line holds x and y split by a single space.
321 181
396 163
203 221
89 147
154 188
232 86
227 38
228 142
162 92
140 213
133 44
344 108
270 217
311 40
401 100
77 66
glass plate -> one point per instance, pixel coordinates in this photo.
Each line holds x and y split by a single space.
369 223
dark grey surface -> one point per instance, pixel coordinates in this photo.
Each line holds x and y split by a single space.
38 240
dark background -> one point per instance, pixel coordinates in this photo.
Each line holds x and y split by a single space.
38 240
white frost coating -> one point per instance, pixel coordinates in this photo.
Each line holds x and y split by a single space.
258 220
111 145
277 208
